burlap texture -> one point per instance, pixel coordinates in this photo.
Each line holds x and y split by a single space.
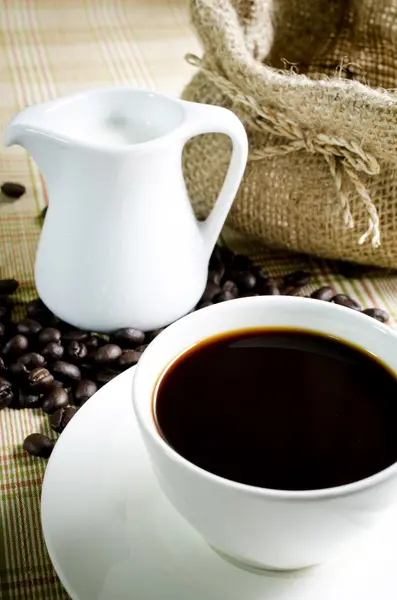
312 82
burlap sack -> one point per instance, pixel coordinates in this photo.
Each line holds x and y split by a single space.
309 79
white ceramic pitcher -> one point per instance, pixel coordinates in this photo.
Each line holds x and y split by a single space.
121 245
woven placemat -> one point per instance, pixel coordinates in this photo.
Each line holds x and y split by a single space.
50 48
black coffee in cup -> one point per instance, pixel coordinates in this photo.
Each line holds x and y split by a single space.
283 409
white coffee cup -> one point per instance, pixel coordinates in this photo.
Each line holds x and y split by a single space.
258 527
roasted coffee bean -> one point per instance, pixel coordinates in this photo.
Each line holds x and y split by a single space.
260 274
215 276
224 296
325 293
31 360
5 308
107 354
57 384
245 281
230 287
3 368
13 190
66 372
93 342
60 418
267 288
106 375
76 350
28 327
128 337
6 392
296 279
153 334
344 300
18 370
211 290
48 335
289 290
35 306
40 379
77 335
128 358
8 286
377 313
53 351
24 399
204 304
85 389
141 348
38 444
16 346
56 398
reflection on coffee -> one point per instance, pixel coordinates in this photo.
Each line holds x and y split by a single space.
284 409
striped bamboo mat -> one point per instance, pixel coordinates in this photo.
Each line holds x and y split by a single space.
50 48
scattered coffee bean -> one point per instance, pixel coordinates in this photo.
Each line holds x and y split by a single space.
325 293
5 308
56 398
38 444
8 286
57 384
76 350
93 342
48 335
60 418
141 349
106 375
289 290
85 389
18 370
377 313
224 297
344 300
129 337
245 280
16 346
77 335
12 190
296 279
215 277
107 354
28 327
35 307
231 288
40 379
24 399
259 274
211 290
31 360
128 358
3 368
267 288
53 351
66 372
6 393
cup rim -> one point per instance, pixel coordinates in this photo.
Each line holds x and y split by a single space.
276 494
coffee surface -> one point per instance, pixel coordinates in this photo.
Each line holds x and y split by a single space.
280 408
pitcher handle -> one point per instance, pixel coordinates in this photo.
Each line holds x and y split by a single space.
205 118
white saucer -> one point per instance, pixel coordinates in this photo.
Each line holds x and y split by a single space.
112 535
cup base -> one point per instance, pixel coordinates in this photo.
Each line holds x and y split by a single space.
257 568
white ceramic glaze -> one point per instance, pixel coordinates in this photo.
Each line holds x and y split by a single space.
260 527
112 534
121 245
